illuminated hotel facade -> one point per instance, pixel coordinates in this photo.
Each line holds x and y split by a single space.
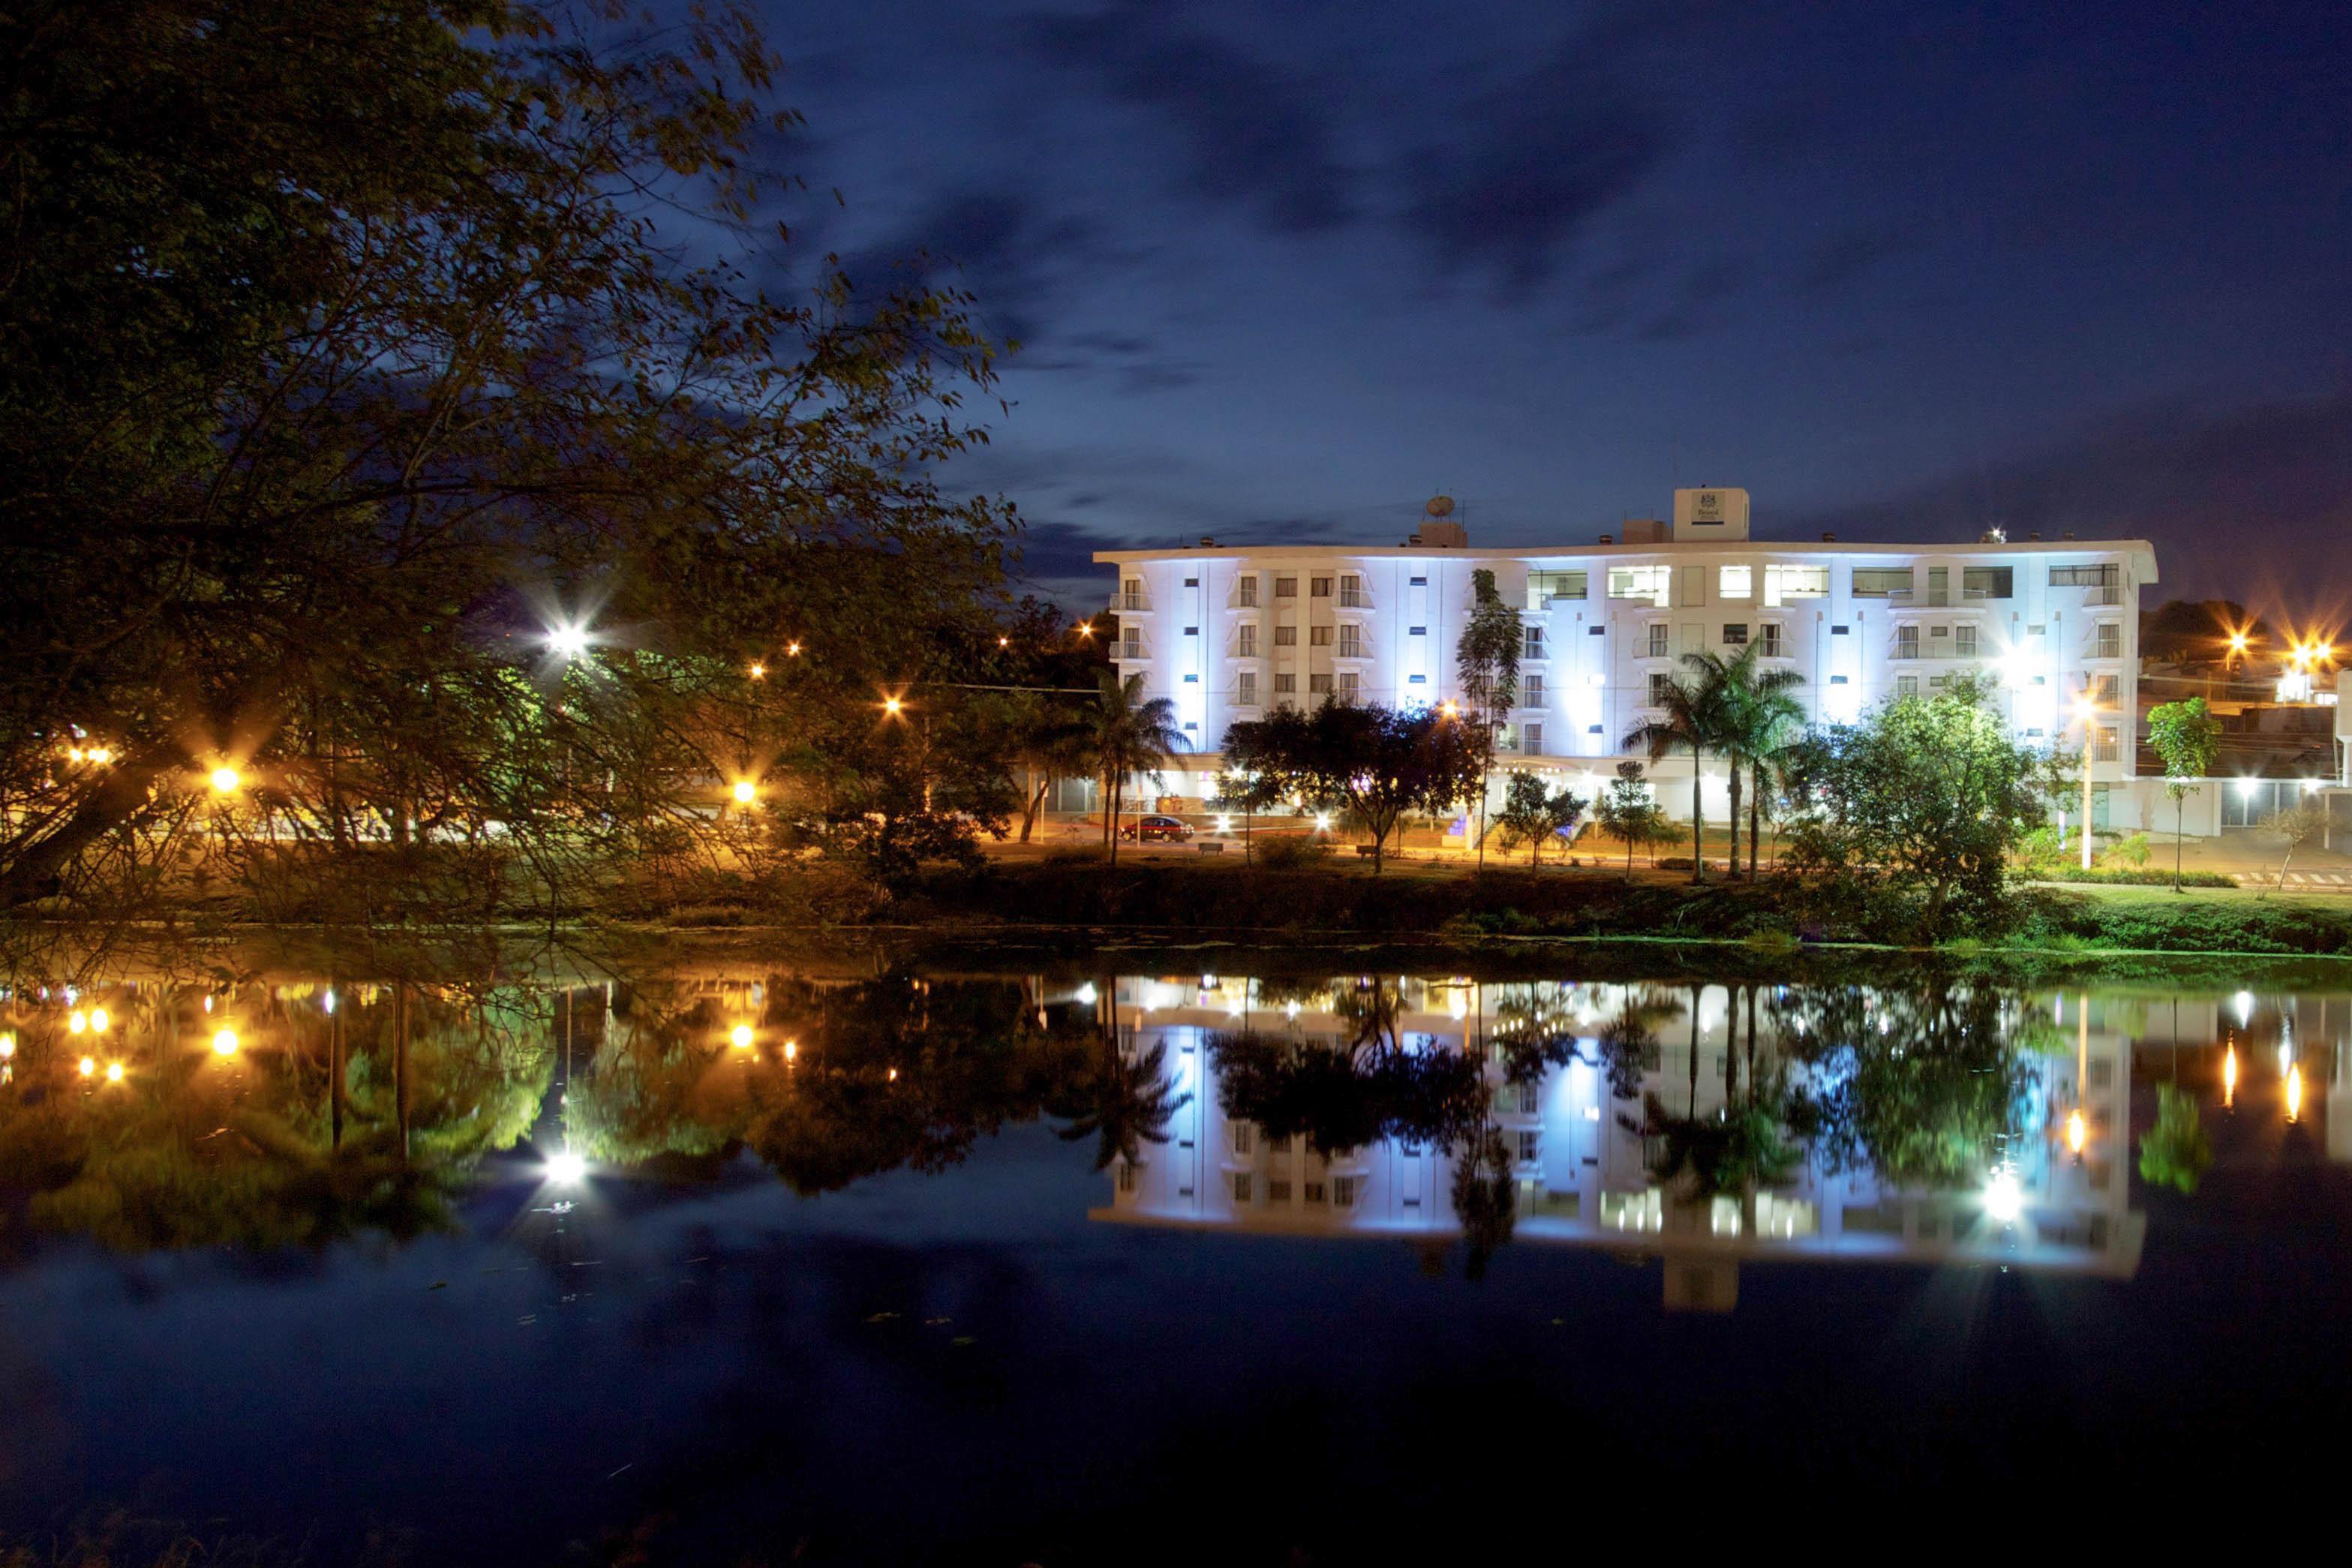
1229 633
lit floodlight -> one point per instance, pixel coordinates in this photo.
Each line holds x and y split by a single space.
78 1022
891 706
2002 1198
114 1072
7 1045
225 1042
225 780
86 1066
567 639
746 791
741 1036
100 1020
1322 822
566 1168
758 672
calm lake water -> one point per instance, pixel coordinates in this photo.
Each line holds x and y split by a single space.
741 1264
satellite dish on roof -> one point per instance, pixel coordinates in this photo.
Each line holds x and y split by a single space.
1440 506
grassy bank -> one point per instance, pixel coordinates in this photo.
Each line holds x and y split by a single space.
1180 899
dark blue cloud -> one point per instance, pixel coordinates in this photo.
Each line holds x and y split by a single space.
1252 132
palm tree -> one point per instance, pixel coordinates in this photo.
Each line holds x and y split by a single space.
1050 742
1128 735
1693 721
1133 1104
1759 715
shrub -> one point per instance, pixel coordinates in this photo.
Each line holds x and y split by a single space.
1290 851
2135 877
2129 850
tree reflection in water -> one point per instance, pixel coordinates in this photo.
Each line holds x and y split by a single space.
375 1113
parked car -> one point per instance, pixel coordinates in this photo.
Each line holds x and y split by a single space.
1157 830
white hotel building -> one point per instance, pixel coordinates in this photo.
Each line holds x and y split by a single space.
1226 634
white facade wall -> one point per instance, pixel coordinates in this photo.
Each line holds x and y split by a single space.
1210 630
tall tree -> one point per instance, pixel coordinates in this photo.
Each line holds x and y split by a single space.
2188 738
1692 722
1128 734
1486 667
1534 812
434 501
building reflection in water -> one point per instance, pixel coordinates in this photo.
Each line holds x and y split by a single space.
1584 1157
1705 1124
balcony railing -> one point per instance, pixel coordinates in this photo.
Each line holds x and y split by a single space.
2103 593
1129 602
1355 599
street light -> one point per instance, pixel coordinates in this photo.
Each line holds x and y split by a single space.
225 1043
890 707
225 780
2078 1132
98 1020
2086 711
758 672
746 791
741 1036
568 640
791 650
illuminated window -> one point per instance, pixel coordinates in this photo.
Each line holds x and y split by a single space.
1531 642
1350 684
1988 582
2110 644
1964 642
1351 641
1545 586
1533 744
1783 582
1662 686
1531 691
1882 581
1651 582
1735 581
1735 634
1245 640
1245 592
1246 688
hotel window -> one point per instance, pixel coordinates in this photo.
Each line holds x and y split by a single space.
1661 685
1531 642
1416 631
1191 631
1245 592
1315 1193
1344 1190
1192 680
1318 587
1658 644
1286 685
2107 748
1774 648
1241 1186
1241 1137
2110 642
1785 582
1126 1176
1906 686
1641 583
1285 588
1534 735
1191 582
1245 641
1545 586
2104 691
1246 688
1420 582
1131 644
1988 582
1131 594
1964 642
1531 691
1416 681
1351 641
1319 636
1352 591
1735 634
1350 684
1285 636
1318 686
1735 581
2103 576
1530 1146
1906 642
1881 582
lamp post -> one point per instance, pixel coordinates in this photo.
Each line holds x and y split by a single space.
2086 711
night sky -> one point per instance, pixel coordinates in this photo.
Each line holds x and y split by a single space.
1279 273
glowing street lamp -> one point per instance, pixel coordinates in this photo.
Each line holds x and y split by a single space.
86 1066
568 640
791 650
745 791
114 1072
2003 1199
566 1169
891 707
741 1036
100 1020
225 780
2078 1132
77 1022
758 672
2086 710
225 1042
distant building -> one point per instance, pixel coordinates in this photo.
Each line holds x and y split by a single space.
1230 633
